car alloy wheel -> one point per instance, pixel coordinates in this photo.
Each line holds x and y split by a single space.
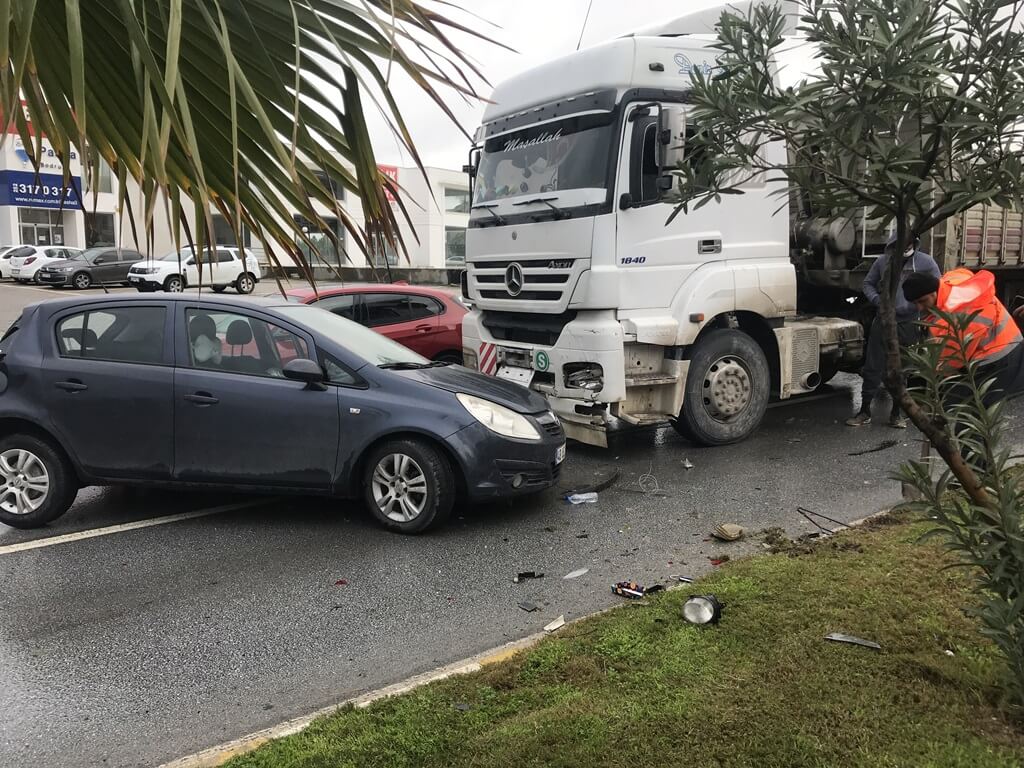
245 284
24 481
82 281
174 285
399 487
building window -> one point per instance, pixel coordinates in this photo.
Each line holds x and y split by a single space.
224 233
455 246
456 200
326 252
41 227
105 182
99 229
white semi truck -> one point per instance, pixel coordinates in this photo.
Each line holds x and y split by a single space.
581 290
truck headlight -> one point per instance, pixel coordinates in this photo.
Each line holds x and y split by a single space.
498 418
469 359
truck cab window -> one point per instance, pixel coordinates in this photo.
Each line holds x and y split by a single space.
643 182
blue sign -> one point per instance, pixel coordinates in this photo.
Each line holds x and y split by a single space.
47 190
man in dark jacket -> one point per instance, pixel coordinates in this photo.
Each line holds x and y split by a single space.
907 316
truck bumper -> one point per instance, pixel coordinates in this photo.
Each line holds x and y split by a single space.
582 372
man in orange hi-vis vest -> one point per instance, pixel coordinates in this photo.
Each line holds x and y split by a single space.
993 340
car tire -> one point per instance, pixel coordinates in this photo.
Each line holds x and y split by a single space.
412 464
727 389
27 457
455 358
81 281
218 288
174 284
245 284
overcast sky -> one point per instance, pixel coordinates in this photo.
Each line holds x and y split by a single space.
538 30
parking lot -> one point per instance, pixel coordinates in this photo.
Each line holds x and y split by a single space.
146 625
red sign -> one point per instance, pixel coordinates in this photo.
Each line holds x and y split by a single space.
12 127
391 172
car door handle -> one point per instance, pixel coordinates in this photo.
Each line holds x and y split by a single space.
72 385
709 246
423 328
202 398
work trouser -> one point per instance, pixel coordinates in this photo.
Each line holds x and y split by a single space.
873 371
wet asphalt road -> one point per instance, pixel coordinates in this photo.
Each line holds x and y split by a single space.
143 645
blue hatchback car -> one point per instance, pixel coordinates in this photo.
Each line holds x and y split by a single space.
253 395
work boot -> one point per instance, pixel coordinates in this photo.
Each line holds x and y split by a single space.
862 419
896 421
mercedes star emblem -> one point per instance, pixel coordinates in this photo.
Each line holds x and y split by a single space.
514 279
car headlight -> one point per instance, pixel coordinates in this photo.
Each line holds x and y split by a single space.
498 418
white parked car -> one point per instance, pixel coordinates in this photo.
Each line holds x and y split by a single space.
5 260
26 260
177 271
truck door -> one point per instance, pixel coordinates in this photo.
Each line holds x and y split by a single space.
657 257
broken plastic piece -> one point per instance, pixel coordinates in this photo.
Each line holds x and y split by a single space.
556 624
582 498
524 575
629 589
463 706
529 607
575 574
839 637
601 485
687 464
728 532
341 583
684 579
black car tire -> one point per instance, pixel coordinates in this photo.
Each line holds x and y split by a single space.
436 471
81 280
218 288
732 361
246 283
455 358
174 284
63 486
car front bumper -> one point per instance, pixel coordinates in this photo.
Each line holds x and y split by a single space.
144 281
494 466
53 278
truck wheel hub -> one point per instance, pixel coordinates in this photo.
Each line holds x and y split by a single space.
727 389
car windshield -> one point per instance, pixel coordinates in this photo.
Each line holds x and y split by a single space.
564 155
88 255
369 345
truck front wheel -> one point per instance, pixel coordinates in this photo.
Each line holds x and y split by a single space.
727 389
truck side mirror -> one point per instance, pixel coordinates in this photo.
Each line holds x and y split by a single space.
671 138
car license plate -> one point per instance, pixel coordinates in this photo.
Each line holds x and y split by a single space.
560 454
15 272
515 374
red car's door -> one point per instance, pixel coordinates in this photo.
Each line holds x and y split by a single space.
391 314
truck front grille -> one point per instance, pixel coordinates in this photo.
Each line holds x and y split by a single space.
523 328
544 279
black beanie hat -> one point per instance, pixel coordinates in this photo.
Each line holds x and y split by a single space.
919 284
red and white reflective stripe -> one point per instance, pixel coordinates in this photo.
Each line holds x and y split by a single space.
488 358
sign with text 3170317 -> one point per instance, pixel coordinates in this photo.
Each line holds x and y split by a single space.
47 190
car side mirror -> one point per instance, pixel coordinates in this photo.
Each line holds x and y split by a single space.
306 371
99 260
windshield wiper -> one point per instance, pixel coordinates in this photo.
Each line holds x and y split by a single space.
559 213
408 366
490 209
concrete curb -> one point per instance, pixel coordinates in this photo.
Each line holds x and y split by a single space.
215 756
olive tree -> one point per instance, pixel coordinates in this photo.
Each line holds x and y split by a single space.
912 112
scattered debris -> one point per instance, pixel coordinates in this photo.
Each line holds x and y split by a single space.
728 532
550 528
462 706
684 579
581 498
716 561
529 607
341 583
794 440
556 624
882 446
524 575
648 482
687 464
629 589
810 516
601 485
575 574
839 637
949 652
582 535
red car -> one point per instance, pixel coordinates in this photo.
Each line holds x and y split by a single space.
427 320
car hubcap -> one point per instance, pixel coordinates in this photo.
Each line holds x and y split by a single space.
82 281
399 488
24 482
727 388
175 286
245 284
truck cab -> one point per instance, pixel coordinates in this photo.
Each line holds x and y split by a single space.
589 288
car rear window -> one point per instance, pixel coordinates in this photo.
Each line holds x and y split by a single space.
121 334
21 253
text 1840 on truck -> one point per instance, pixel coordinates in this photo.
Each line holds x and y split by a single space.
581 290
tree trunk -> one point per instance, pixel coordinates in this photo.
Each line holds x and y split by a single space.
894 382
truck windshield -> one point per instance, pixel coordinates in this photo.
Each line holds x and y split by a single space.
570 154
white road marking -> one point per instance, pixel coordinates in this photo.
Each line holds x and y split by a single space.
67 538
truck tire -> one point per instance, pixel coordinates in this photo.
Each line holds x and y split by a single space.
727 389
